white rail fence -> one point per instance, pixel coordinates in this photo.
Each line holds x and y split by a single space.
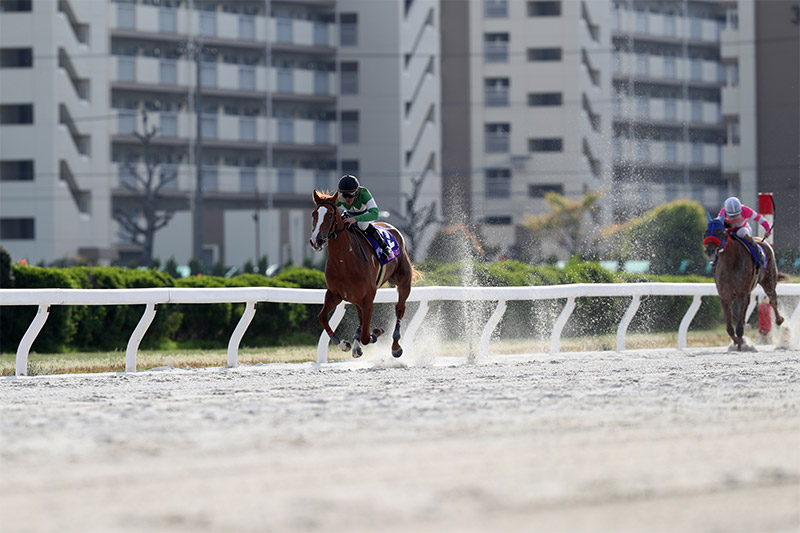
151 298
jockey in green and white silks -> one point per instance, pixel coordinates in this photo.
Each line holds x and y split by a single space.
358 202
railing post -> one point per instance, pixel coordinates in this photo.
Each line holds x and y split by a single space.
683 330
238 333
25 344
622 330
558 327
138 335
416 322
324 340
490 325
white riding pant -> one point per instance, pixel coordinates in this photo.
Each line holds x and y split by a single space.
744 230
363 225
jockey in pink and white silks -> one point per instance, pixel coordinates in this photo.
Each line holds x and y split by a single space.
738 216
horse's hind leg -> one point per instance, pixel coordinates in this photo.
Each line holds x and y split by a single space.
403 290
769 290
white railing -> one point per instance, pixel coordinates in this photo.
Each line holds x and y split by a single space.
151 298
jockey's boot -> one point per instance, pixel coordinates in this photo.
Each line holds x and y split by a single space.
385 251
762 255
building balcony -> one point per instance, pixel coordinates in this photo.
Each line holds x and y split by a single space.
230 131
220 79
662 27
665 154
668 112
219 28
668 70
237 183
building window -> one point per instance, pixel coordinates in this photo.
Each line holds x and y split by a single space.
496 92
322 180
498 138
546 144
541 190
670 70
350 133
498 183
349 77
17 229
11 6
348 27
671 154
670 109
642 22
247 27
247 179
495 9
498 220
286 180
544 54
544 9
733 74
16 114
208 23
734 137
126 16
16 57
169 124
495 47
545 99
350 166
167 20
21 170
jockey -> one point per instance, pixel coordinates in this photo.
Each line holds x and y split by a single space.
737 217
359 204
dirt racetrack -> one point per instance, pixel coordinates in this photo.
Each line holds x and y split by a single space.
643 441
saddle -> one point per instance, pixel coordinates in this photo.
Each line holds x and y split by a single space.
754 252
390 241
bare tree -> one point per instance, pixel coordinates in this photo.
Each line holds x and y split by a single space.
149 212
417 219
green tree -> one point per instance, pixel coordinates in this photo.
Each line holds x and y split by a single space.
666 236
567 224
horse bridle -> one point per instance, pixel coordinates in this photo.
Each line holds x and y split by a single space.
713 239
333 232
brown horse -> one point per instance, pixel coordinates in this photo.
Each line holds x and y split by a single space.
736 276
353 272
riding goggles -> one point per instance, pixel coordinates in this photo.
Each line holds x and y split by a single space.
348 194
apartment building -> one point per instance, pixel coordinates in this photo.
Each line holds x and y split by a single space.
55 193
535 85
256 103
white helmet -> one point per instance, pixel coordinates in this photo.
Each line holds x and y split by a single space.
733 207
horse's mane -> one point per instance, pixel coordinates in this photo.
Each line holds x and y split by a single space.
325 195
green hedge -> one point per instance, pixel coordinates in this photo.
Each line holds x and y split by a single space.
210 325
591 315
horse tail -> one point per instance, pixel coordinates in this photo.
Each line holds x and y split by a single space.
416 275
783 277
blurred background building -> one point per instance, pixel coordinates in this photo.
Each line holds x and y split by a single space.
493 103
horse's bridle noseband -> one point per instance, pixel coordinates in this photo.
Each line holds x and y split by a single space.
333 232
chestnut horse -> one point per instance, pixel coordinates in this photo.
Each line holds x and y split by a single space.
736 276
352 272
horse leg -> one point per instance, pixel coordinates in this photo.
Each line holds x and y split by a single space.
741 311
357 351
331 301
403 290
768 284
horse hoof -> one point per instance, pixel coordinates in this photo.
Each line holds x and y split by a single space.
357 352
377 332
397 353
345 346
779 320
